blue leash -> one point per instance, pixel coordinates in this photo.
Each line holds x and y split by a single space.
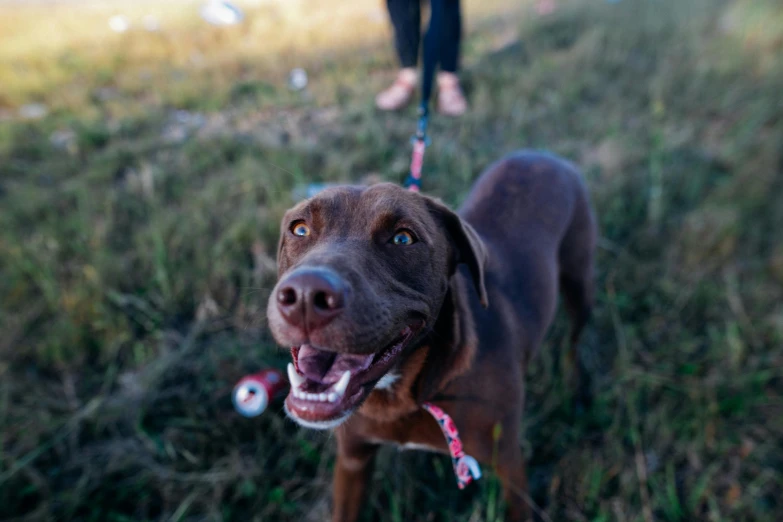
420 140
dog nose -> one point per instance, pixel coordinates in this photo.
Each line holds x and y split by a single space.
310 297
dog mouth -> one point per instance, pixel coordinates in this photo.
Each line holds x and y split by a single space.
328 386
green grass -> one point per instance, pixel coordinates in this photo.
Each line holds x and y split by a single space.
137 249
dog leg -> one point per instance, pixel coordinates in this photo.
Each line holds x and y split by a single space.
577 288
512 472
577 298
351 474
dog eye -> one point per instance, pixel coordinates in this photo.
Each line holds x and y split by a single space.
300 229
403 238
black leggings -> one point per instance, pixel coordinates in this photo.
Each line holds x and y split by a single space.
406 19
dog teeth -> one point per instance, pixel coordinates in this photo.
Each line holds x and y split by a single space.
316 397
342 384
331 395
294 377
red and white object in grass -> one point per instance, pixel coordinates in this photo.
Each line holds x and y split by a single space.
253 393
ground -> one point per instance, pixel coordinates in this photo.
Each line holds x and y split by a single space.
142 176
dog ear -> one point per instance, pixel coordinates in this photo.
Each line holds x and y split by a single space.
467 246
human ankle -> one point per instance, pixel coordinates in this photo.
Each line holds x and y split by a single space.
407 75
447 79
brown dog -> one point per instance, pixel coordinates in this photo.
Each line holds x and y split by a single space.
389 300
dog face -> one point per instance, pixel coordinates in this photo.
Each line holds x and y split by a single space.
363 272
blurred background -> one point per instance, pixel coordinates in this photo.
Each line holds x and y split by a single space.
147 155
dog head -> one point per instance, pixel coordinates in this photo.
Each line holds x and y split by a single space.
362 275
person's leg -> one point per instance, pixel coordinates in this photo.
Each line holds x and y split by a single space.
406 19
451 101
451 34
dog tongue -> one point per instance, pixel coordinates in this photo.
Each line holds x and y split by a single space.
327 367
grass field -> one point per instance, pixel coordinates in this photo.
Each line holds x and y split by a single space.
138 223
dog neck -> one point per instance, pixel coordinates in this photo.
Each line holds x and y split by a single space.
445 353
453 342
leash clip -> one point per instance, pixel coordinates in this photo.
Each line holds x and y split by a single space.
421 127
412 184
466 469
416 138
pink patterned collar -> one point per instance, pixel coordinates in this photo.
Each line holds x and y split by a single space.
466 468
